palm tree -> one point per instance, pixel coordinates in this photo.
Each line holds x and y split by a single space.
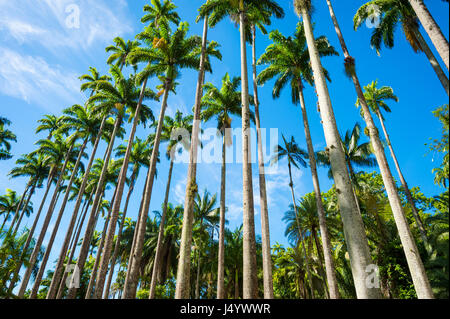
376 98
122 97
205 210
219 9
173 132
160 14
392 13
221 104
6 136
415 264
8 205
120 52
49 123
92 80
171 52
289 62
295 156
353 224
139 157
432 28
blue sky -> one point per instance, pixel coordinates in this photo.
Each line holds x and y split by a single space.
40 60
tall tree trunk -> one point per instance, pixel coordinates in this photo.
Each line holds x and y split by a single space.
134 262
37 247
33 187
265 232
433 61
415 213
354 232
100 252
221 253
60 264
329 262
84 250
184 262
37 282
432 28
419 276
300 232
250 280
73 247
17 211
157 262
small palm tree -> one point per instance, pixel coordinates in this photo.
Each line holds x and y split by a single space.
120 52
6 137
160 14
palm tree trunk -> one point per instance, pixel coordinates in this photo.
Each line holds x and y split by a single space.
157 261
37 247
419 276
300 232
415 213
29 237
73 247
250 280
265 232
184 262
221 253
134 262
353 225
16 213
329 262
95 206
197 280
60 264
354 183
48 249
33 187
432 28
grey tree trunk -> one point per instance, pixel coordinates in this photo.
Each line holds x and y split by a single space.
415 213
157 261
432 28
131 280
84 250
33 187
221 253
326 244
265 231
37 247
184 262
250 280
52 291
354 232
49 247
419 276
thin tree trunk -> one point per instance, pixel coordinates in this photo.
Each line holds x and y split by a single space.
16 213
221 253
37 247
300 232
265 231
131 281
184 262
250 280
432 28
24 209
95 206
419 276
158 257
354 232
415 213
329 262
60 264
48 249
433 61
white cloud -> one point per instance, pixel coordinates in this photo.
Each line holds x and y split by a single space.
32 79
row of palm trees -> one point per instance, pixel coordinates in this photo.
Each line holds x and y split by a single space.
164 48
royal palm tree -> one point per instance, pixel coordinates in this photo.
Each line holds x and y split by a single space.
8 205
120 51
221 104
218 10
353 224
160 14
171 52
6 137
174 132
91 81
432 28
415 263
289 63
376 98
392 13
